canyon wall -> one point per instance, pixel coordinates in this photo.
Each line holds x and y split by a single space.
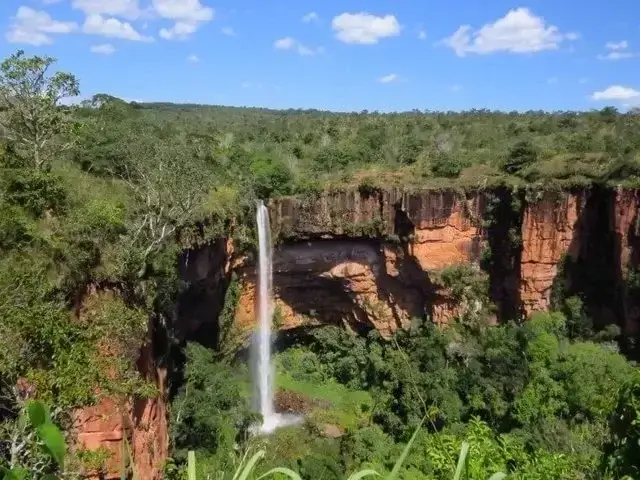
372 259
366 260
133 432
548 235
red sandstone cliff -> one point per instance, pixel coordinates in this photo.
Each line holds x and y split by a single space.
548 234
135 430
342 276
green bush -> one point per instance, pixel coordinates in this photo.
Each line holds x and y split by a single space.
35 191
521 155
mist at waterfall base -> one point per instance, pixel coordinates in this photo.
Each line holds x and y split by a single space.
263 370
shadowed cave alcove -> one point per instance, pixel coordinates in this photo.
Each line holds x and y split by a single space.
503 216
327 280
592 270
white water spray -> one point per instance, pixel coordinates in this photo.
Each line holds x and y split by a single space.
262 344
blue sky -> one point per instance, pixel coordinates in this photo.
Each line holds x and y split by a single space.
341 55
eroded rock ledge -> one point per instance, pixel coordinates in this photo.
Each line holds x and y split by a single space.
371 259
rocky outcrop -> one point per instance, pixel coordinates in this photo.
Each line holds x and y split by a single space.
627 231
372 258
366 260
548 234
131 432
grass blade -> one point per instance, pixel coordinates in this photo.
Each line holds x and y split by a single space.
251 465
364 473
191 465
462 461
285 471
498 476
242 461
396 468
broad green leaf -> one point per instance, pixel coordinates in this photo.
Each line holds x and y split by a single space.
246 471
53 442
37 413
285 471
17 473
462 461
396 468
364 473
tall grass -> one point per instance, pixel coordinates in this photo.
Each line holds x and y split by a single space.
248 465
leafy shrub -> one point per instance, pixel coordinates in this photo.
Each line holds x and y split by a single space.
271 177
521 155
35 191
447 166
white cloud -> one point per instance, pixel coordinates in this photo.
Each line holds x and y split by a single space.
519 31
34 27
228 31
103 49
615 55
552 80
285 43
289 43
193 58
112 8
617 46
616 51
616 92
188 15
310 17
112 27
422 35
184 10
179 31
392 77
364 28
456 88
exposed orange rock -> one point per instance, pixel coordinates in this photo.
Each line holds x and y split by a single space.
370 259
548 234
361 282
142 422
627 229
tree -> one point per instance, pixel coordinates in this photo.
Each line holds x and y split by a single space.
168 182
521 155
30 96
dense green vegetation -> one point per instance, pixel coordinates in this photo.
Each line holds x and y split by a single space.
530 402
98 199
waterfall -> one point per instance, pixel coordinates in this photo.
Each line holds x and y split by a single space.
264 373
265 314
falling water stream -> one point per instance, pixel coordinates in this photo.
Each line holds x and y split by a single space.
262 343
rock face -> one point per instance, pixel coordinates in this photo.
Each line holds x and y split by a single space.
548 234
366 261
122 426
373 258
